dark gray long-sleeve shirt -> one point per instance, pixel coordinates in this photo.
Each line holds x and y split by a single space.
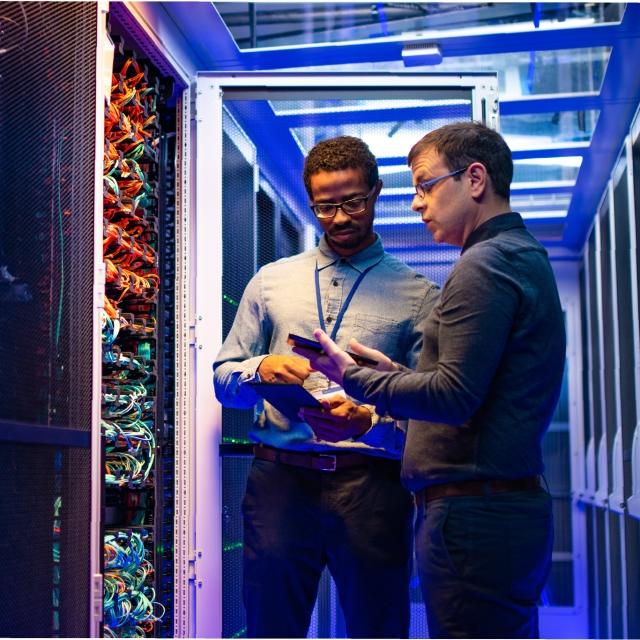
489 375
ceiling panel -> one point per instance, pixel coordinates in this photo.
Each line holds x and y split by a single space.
268 24
568 86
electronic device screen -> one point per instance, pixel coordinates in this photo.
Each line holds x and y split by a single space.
314 345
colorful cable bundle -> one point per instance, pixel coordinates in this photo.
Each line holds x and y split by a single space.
129 322
131 140
127 420
129 452
129 600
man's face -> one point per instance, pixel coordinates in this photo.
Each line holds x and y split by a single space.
347 234
446 208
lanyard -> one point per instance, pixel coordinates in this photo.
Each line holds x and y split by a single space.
346 303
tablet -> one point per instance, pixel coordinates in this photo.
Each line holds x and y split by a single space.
286 398
314 345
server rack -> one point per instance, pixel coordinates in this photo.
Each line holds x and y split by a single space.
139 28
48 333
610 312
144 516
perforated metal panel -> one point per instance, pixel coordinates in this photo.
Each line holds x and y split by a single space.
238 205
559 588
44 540
594 336
556 453
235 470
609 423
239 246
47 136
624 312
636 201
586 356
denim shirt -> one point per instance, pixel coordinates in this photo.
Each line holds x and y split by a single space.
489 376
388 312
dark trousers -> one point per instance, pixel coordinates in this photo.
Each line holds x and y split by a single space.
356 521
483 562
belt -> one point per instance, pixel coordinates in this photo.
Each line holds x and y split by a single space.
476 488
311 460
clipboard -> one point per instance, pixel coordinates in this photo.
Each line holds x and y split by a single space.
285 397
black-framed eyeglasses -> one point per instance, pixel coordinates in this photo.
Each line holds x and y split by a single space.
424 187
350 207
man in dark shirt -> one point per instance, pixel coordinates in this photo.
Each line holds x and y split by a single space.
481 398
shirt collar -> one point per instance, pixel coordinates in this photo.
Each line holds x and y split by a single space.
360 261
494 226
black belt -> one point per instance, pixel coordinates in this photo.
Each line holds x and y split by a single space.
311 460
476 488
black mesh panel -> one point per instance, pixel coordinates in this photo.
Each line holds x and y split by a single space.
266 218
47 171
610 413
559 589
234 479
584 334
239 257
625 322
238 229
594 337
47 137
44 540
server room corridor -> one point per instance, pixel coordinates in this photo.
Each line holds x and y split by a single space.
152 162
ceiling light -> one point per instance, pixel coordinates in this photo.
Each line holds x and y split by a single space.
419 54
499 29
544 215
415 219
562 161
395 168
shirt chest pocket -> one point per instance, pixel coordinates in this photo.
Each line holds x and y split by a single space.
380 332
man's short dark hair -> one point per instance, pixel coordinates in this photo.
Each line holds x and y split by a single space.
462 143
335 154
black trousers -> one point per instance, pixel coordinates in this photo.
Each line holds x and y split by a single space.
483 562
356 521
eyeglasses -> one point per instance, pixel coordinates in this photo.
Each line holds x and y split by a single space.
350 207
422 188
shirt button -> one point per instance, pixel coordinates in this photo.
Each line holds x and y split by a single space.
329 319
335 283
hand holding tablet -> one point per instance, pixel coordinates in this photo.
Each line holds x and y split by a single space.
286 397
313 345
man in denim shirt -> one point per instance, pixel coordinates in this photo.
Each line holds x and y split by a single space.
481 398
325 490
